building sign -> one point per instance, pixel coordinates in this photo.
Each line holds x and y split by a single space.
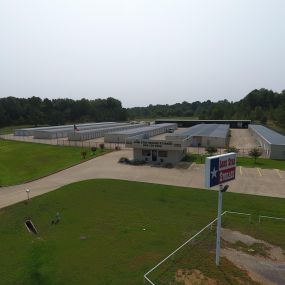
220 169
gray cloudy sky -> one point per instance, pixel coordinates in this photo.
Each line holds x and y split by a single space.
141 51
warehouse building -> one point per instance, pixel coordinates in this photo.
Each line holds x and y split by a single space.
203 135
31 131
234 124
142 133
63 132
272 143
100 132
158 151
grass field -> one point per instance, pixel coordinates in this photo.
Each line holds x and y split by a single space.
111 232
10 129
244 161
21 161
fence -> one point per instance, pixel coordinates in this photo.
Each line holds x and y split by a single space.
64 142
194 239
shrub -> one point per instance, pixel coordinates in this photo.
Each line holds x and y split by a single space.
83 154
168 165
93 149
255 153
137 162
124 160
102 146
232 149
117 147
211 150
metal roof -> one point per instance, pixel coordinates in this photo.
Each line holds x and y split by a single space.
269 135
64 126
207 130
80 127
143 129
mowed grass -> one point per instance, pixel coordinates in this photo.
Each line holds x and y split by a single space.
244 161
111 232
21 161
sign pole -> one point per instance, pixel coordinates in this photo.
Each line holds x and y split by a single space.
219 224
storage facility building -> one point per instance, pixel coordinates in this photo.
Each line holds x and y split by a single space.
235 124
142 133
31 131
272 143
100 132
63 132
216 135
158 151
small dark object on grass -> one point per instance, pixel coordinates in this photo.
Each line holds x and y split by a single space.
83 154
93 149
102 146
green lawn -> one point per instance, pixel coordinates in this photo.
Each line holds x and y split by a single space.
10 129
244 161
21 162
101 238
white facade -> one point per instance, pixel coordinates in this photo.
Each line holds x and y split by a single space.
158 151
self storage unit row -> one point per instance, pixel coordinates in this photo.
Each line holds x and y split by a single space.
203 135
158 151
63 132
235 124
30 131
100 132
143 133
272 143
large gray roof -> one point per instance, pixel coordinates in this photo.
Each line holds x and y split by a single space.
269 135
143 129
209 130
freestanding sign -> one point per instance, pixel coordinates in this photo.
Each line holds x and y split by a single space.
220 169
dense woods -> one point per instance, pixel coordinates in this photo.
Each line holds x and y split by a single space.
260 105
35 111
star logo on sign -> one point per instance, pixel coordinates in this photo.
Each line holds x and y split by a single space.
214 173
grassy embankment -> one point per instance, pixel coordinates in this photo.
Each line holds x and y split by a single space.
21 162
112 232
244 161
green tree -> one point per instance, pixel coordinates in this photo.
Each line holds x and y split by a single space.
211 150
255 153
232 149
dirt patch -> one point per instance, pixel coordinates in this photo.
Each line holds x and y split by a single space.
264 263
193 277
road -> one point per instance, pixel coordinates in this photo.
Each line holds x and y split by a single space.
248 180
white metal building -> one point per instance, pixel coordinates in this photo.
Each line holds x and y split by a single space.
161 151
142 133
30 131
272 143
100 132
63 132
203 135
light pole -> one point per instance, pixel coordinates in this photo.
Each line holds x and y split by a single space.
28 194
219 222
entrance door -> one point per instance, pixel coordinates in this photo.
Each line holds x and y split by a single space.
154 155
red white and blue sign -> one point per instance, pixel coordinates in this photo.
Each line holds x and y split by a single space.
220 169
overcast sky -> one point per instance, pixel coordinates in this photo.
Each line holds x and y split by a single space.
141 52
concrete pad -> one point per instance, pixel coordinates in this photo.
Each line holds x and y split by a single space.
107 166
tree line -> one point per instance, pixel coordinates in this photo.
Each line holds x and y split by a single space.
259 105
35 111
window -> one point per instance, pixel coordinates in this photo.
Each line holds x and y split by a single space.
146 152
162 153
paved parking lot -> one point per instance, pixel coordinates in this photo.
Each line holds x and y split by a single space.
242 139
248 180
